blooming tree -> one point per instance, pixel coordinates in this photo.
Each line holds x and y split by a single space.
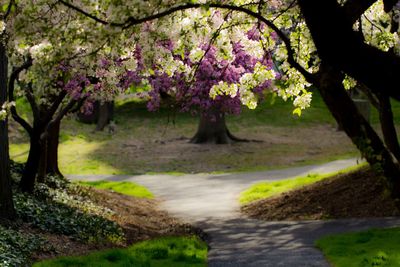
59 68
318 45
218 86
309 46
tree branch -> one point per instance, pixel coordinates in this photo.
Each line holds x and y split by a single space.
134 21
53 108
78 105
83 12
31 99
355 8
11 86
58 118
8 11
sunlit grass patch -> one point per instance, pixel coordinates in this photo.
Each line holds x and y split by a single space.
268 189
375 247
126 188
165 252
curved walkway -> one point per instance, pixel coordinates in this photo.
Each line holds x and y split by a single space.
210 202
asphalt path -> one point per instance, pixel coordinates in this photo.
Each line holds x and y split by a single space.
210 201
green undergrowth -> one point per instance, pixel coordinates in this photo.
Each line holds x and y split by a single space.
163 252
17 246
68 210
264 190
126 188
375 247
56 207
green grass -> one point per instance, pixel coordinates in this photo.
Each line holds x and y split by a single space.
126 188
375 247
163 252
132 148
268 189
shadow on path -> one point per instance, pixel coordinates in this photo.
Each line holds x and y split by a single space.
248 242
211 202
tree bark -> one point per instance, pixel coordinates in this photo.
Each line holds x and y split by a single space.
7 210
28 179
49 155
387 126
102 114
329 83
212 129
105 115
331 27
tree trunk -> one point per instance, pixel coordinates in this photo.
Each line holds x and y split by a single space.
49 155
105 115
102 114
341 106
212 129
7 210
27 183
387 125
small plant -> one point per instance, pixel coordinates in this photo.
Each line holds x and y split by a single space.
17 247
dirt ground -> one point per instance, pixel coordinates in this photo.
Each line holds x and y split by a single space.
140 219
357 194
275 147
136 149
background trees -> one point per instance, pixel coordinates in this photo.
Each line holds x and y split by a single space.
66 55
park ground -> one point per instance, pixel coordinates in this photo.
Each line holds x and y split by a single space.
154 143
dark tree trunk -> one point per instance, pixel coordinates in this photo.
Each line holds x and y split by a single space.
27 183
212 129
49 155
102 114
329 83
7 210
92 117
105 115
387 125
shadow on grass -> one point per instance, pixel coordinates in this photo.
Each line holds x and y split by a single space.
148 142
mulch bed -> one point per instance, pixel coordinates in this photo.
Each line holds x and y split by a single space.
357 194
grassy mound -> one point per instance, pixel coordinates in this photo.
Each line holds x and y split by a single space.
360 193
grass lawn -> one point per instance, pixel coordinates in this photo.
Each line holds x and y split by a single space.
140 135
375 247
163 252
268 189
126 188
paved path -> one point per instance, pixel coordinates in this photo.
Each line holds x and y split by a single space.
210 201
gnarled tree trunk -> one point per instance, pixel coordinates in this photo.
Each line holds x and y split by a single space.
7 210
212 129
